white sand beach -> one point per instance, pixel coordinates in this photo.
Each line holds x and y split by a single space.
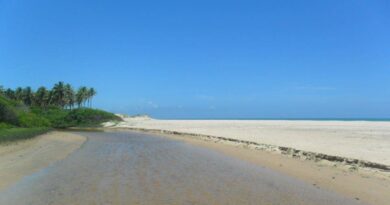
363 140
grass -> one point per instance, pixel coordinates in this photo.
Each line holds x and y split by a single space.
14 134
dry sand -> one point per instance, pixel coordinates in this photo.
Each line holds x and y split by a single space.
23 158
362 140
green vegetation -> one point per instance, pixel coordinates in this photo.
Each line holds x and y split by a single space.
80 117
25 113
8 111
55 115
13 134
89 117
61 95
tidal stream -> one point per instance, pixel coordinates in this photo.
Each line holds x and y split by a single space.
123 167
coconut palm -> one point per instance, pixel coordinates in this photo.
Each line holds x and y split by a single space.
19 94
27 96
69 96
58 95
42 97
9 93
81 96
61 95
91 94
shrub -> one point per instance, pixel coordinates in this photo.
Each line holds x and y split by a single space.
56 116
28 119
89 117
4 125
7 112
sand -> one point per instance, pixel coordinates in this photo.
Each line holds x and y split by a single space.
125 167
101 163
25 157
365 187
362 140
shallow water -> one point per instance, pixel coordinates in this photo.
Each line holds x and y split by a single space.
132 168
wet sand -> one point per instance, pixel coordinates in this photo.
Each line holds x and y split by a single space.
364 185
23 158
132 168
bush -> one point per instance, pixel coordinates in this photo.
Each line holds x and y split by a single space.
56 116
5 125
7 112
17 114
29 119
81 117
89 117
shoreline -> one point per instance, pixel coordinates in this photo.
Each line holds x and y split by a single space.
22 158
353 183
364 144
351 163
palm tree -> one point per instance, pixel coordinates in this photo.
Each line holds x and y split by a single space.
58 95
61 95
27 96
19 94
9 93
81 96
91 94
42 97
69 95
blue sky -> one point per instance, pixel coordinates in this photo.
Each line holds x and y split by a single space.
206 59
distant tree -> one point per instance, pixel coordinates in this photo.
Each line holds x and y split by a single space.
42 97
58 95
91 94
81 96
61 95
9 93
19 94
69 96
27 96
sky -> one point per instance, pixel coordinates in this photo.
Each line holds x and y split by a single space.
206 59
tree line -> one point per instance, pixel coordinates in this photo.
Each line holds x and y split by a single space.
61 95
